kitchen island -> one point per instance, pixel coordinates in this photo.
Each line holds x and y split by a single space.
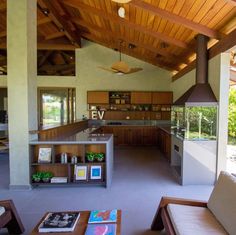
83 158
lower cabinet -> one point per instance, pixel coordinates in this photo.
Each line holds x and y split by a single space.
164 143
78 164
132 135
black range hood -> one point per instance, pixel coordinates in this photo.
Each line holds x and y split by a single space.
200 93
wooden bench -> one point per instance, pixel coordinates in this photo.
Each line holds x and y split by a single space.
10 218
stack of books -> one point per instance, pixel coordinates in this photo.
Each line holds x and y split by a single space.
102 222
59 180
59 222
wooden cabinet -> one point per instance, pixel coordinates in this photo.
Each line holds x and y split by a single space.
164 143
98 97
162 97
141 97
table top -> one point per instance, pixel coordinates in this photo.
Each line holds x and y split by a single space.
81 226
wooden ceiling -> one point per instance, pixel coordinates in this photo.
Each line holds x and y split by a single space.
160 32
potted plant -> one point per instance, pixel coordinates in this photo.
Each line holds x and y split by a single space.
90 156
46 176
99 157
36 177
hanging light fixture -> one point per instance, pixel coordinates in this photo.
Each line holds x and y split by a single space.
121 1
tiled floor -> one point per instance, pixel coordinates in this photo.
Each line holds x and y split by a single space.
141 177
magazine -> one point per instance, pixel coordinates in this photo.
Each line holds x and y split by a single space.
101 229
103 216
44 155
59 222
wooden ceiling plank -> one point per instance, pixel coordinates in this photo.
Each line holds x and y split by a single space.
44 20
136 55
177 19
125 38
125 23
60 22
223 45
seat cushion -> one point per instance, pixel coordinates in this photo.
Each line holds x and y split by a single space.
222 202
194 220
2 210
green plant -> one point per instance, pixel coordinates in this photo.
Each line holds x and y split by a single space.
36 176
99 156
90 156
46 175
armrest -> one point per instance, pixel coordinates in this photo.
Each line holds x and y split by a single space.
14 225
157 223
5 218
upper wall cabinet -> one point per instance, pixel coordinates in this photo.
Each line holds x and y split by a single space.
141 97
98 97
162 97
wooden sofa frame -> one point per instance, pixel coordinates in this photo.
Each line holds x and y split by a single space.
162 219
10 218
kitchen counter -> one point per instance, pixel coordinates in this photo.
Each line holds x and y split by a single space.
83 137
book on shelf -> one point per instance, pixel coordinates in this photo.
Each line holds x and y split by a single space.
101 229
45 155
59 180
59 222
103 216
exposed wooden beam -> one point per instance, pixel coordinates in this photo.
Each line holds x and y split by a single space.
55 35
44 58
124 38
223 45
129 53
48 46
115 19
177 19
60 22
3 6
3 34
62 47
44 20
57 68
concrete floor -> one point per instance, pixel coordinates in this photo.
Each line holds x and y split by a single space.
141 177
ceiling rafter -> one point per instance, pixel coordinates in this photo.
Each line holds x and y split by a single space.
223 45
178 19
48 46
3 34
44 58
44 20
125 38
55 35
130 53
60 22
127 24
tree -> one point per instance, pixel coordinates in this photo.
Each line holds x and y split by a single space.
232 113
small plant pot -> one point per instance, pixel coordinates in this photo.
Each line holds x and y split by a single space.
37 180
100 157
46 180
90 157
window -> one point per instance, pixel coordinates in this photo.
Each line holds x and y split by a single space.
56 105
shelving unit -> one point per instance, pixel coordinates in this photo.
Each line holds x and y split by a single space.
67 169
134 105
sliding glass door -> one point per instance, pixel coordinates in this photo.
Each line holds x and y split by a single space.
56 105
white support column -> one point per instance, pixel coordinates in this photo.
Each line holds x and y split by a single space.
22 86
219 74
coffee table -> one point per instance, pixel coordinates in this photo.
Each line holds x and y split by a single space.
81 226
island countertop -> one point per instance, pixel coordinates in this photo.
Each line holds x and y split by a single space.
82 137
